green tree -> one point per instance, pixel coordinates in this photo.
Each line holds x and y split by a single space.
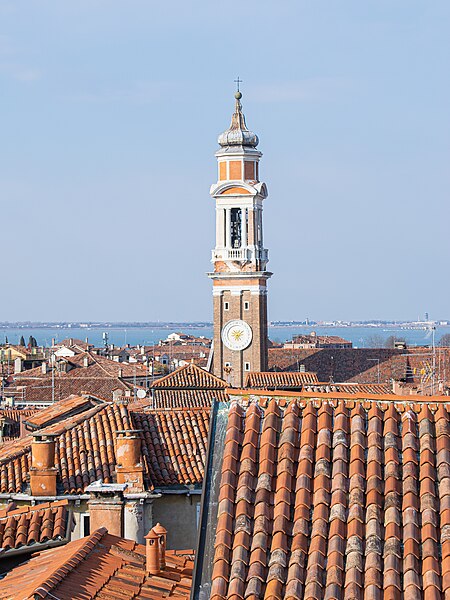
22 341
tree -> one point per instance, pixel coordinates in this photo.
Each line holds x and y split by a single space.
375 341
392 340
444 342
32 343
22 341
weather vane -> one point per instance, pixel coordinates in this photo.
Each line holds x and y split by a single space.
238 81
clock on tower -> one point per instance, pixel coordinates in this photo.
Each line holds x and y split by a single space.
239 257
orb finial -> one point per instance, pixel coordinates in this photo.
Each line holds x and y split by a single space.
238 95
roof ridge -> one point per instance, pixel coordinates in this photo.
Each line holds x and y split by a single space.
71 562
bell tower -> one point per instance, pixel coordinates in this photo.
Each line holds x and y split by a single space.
239 258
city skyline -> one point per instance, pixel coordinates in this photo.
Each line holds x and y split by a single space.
108 155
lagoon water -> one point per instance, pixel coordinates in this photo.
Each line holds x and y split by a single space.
360 336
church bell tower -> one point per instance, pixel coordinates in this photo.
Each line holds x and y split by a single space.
239 258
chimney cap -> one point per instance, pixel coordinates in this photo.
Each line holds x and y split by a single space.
151 535
159 529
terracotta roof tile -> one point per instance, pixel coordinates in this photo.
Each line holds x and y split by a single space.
190 376
345 499
100 566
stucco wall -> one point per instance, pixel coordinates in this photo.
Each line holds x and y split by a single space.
178 514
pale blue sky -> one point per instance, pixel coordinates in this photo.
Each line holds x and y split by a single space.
109 117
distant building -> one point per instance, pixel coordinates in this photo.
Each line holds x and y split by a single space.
313 340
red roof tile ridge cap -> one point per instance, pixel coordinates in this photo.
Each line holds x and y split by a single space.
177 409
72 561
339 395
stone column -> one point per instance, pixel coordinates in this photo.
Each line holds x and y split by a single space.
243 227
228 227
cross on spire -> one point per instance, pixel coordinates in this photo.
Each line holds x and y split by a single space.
238 81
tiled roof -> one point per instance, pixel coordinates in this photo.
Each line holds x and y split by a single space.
65 384
58 411
174 444
12 417
279 380
362 365
190 376
185 398
173 449
100 378
85 450
350 388
30 525
100 566
329 499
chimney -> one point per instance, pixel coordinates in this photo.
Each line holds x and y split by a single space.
44 368
120 373
86 361
106 507
70 341
43 472
152 552
17 365
161 532
129 467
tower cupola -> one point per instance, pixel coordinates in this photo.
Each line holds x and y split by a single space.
238 134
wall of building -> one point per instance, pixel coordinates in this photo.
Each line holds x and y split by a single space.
179 514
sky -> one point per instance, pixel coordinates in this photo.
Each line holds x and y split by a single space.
110 113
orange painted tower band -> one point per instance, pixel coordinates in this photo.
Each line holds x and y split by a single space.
239 257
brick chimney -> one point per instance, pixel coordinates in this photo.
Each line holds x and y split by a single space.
152 553
129 467
106 507
43 471
161 532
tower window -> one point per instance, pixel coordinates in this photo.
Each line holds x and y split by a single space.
235 227
227 364
247 366
226 305
246 305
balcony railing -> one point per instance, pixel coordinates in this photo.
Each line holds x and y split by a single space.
240 254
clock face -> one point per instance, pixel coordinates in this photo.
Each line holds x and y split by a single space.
237 335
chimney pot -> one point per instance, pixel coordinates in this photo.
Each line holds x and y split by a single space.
86 361
152 553
161 532
44 368
43 472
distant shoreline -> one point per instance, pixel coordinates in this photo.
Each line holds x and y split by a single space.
207 324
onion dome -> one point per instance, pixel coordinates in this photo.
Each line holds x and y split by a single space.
238 134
